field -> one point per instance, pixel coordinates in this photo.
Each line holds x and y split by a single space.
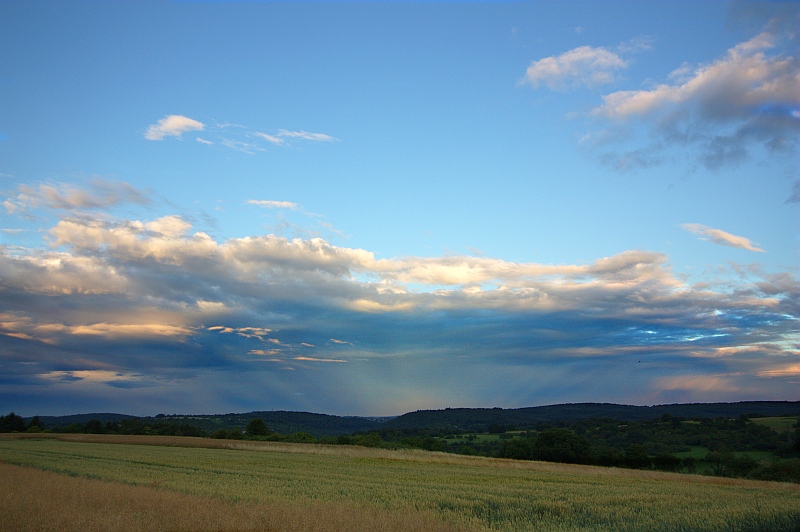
781 425
267 486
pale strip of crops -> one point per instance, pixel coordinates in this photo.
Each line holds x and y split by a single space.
32 500
468 491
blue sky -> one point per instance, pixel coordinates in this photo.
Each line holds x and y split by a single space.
375 207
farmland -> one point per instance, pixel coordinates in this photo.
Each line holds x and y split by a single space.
429 490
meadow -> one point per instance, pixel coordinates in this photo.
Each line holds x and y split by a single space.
281 486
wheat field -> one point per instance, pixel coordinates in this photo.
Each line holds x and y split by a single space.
351 488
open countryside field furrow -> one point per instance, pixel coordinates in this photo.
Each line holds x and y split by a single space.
479 493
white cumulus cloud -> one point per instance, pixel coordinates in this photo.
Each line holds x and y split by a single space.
749 97
584 65
746 79
173 126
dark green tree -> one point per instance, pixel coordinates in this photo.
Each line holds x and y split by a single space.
12 423
562 445
220 434
93 426
257 427
517 449
636 457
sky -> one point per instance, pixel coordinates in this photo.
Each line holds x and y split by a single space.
369 208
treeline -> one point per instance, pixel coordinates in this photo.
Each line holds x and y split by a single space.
609 444
478 419
668 443
129 426
664 444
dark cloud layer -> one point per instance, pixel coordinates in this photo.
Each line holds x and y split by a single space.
146 316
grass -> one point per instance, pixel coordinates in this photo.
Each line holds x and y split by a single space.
697 452
781 425
440 489
42 501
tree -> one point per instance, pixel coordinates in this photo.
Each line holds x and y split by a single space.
257 427
562 445
93 426
795 445
517 449
12 423
220 434
636 457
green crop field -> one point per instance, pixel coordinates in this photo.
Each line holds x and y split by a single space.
465 492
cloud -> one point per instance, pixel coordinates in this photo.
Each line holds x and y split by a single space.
272 204
305 135
234 136
173 126
187 312
102 376
312 359
273 139
98 194
728 89
128 330
283 134
53 333
723 109
695 383
791 370
722 238
169 226
582 66
259 333
795 196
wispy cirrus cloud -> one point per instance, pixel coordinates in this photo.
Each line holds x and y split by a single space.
284 226
305 135
234 136
273 204
721 237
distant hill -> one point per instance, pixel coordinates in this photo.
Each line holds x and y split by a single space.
317 425
449 419
62 421
478 419
284 422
